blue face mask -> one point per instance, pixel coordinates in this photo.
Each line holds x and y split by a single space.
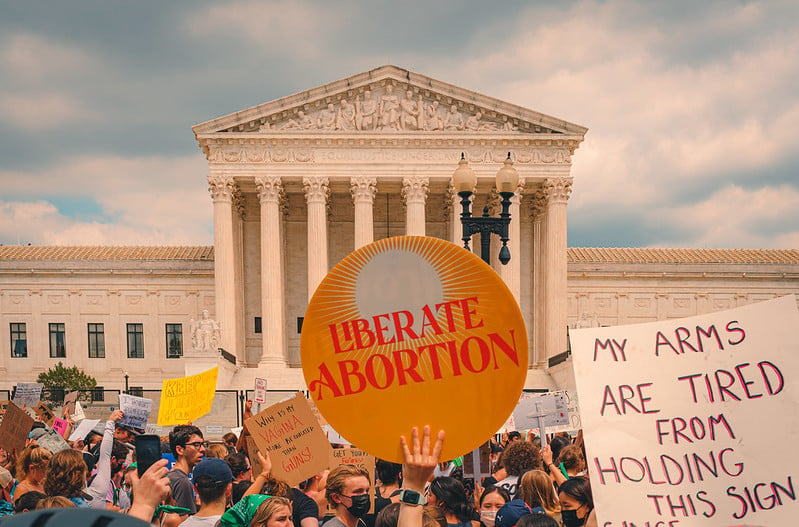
570 518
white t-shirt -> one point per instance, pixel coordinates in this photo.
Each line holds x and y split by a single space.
204 521
511 484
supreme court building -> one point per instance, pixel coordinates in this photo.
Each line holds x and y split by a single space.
298 183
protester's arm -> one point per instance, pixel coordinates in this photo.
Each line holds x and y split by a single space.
266 468
419 466
149 491
554 472
98 490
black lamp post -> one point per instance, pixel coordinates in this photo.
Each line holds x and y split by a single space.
126 382
464 181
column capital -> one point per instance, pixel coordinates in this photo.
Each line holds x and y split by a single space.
414 189
363 189
538 205
316 189
557 189
221 188
517 194
493 202
269 188
239 203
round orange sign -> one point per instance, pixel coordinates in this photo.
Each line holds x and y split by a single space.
413 331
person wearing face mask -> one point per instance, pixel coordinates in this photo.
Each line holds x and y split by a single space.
348 492
491 500
577 503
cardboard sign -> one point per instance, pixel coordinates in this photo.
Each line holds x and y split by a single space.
260 390
186 399
359 458
52 441
78 414
83 428
15 428
691 420
27 394
333 437
412 331
292 435
61 426
252 449
136 410
69 401
44 413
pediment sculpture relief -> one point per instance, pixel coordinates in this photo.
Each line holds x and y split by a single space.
390 109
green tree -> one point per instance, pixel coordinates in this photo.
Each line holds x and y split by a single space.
59 380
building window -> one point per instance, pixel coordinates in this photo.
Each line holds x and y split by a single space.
19 340
98 393
174 341
258 325
58 340
96 341
135 341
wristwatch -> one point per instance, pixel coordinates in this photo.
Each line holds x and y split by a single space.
411 497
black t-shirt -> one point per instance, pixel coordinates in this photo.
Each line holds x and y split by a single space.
302 507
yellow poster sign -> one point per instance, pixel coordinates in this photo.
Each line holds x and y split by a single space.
187 398
412 331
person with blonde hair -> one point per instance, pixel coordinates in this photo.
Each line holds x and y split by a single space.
536 490
348 493
31 470
273 512
54 502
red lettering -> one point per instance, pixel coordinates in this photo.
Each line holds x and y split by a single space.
379 329
467 359
325 380
467 314
349 368
400 327
429 319
334 335
388 371
360 327
512 353
411 368
448 312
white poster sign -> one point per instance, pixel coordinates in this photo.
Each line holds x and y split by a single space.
83 428
690 422
260 390
552 408
27 394
136 410
79 414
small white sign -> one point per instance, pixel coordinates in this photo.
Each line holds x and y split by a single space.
260 390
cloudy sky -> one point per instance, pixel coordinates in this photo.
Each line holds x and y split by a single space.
693 107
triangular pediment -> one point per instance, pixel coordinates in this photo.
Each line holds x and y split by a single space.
387 100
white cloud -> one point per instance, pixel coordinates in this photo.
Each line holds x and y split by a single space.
26 56
150 201
43 111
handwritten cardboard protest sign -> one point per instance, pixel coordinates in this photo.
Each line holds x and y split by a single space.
83 428
27 394
61 426
15 428
412 331
359 458
52 441
186 399
136 410
69 401
44 413
292 435
690 422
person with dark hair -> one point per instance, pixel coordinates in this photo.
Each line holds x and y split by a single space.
212 482
449 495
388 491
491 500
28 501
577 503
188 447
518 457
230 439
116 499
537 520
242 474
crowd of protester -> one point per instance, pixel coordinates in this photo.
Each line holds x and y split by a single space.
215 484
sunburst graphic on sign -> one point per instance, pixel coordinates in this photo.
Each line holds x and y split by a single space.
413 331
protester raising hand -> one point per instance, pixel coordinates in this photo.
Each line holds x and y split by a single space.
417 470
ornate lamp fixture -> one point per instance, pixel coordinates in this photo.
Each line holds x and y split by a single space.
464 180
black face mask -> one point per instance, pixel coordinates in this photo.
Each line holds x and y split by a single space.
360 505
570 518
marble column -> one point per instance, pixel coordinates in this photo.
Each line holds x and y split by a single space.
538 206
557 190
414 194
316 194
273 317
363 196
512 272
222 189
